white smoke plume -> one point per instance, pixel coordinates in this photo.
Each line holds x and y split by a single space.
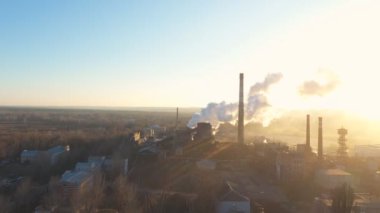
257 109
315 88
215 113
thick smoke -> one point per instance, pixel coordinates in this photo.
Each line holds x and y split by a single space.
315 88
257 109
215 113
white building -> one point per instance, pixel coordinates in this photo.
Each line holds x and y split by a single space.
53 154
233 202
332 178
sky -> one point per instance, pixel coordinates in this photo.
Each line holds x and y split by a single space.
185 53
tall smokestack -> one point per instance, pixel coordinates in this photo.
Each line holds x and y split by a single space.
320 139
241 110
308 132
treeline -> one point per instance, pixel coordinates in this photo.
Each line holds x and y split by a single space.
43 128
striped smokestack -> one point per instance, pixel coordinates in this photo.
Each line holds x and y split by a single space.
241 110
308 131
320 139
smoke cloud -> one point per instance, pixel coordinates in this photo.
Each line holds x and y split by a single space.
257 108
315 88
215 113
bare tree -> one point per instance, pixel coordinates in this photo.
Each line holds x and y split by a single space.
125 195
91 198
5 204
53 199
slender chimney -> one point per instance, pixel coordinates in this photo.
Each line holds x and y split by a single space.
241 110
320 139
308 132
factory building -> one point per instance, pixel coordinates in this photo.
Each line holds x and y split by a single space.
298 163
203 131
332 178
293 166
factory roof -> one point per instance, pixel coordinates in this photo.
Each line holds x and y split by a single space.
75 177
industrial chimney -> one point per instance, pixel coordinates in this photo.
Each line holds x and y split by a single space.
241 110
308 132
320 139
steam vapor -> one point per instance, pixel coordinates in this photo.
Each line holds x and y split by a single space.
315 88
258 109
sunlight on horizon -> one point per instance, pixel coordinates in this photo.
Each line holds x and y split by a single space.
344 41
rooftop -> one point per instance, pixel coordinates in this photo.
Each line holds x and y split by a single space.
75 177
30 152
56 149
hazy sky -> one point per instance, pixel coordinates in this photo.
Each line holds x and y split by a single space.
182 53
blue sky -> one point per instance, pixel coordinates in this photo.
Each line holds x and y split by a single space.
136 53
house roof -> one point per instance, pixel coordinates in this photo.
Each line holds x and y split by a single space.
87 166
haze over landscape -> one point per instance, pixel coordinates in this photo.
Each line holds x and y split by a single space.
189 106
135 53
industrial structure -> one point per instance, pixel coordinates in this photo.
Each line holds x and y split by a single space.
241 110
342 151
297 164
203 131
320 139
308 132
